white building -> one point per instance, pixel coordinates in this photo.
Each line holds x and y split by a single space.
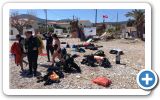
65 25
58 31
12 33
85 23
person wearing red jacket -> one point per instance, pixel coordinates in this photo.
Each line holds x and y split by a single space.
16 50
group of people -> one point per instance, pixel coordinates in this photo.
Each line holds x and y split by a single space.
32 46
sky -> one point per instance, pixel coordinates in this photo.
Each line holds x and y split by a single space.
82 14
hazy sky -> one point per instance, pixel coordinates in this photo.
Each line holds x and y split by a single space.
83 14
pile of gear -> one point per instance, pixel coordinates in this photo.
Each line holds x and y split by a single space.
68 64
96 58
53 76
54 73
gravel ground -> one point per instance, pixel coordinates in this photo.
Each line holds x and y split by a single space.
122 76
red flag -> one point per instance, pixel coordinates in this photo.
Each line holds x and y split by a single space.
105 16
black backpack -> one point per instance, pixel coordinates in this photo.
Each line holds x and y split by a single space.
106 63
69 65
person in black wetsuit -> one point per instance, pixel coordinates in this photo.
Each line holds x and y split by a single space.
32 52
49 47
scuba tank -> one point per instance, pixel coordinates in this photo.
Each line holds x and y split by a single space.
118 58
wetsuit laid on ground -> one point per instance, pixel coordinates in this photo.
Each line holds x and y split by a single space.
32 54
49 46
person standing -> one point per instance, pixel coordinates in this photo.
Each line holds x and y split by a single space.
32 52
21 41
57 49
49 47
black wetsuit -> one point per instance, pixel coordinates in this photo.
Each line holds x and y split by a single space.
22 44
32 54
49 47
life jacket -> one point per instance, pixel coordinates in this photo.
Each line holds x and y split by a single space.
103 81
54 76
16 50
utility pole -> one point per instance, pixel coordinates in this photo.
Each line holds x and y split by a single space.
117 21
96 18
45 10
117 17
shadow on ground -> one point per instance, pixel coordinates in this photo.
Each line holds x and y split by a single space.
25 72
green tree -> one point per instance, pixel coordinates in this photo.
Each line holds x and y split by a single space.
130 23
51 29
110 30
118 28
139 21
